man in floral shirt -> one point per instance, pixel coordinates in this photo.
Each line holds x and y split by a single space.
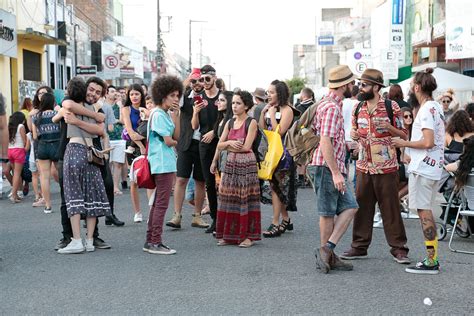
377 169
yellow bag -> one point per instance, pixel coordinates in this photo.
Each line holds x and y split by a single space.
273 156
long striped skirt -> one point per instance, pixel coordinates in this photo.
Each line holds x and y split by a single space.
238 212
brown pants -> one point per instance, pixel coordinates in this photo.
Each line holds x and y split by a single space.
381 188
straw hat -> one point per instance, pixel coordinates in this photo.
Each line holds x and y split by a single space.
339 76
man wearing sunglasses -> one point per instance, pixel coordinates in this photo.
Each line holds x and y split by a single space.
189 161
204 118
377 169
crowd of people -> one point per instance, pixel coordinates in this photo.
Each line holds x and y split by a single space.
199 141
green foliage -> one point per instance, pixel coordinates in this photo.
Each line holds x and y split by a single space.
295 85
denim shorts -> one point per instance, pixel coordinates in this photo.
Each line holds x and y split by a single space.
48 150
329 201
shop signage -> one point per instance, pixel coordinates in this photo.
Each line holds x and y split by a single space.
8 34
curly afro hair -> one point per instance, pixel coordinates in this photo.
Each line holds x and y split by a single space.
163 86
459 123
246 97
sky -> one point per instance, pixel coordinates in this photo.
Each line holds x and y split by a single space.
250 43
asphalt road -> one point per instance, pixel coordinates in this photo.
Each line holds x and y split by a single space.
276 276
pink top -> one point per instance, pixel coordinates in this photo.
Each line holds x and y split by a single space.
238 134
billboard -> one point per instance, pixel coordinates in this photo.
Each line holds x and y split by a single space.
8 35
459 29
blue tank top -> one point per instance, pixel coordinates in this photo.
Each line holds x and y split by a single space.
134 117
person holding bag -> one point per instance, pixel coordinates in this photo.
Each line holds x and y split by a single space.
163 131
278 116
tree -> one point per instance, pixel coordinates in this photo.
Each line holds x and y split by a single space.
295 85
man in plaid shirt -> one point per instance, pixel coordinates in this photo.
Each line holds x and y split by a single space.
328 171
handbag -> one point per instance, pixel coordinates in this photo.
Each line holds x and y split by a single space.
94 156
141 165
273 156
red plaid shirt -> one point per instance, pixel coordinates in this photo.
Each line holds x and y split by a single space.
377 155
329 122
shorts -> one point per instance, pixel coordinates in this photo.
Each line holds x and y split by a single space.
17 155
118 154
421 192
329 201
48 150
189 163
33 166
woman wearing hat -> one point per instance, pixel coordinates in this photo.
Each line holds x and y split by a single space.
278 113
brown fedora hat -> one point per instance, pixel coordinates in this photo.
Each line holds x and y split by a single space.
373 76
260 93
339 76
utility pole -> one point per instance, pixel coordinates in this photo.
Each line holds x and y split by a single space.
190 45
159 48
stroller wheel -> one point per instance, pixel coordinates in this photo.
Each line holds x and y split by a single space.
441 231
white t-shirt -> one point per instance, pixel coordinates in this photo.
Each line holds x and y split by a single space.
347 108
428 162
18 142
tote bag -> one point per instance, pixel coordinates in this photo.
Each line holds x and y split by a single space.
267 167
142 167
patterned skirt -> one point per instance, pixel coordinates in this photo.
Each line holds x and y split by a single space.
238 212
84 190
283 183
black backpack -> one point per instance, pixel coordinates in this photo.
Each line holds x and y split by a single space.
260 144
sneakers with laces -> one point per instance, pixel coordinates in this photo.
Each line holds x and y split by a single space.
90 245
101 244
160 249
62 243
199 222
146 247
75 246
138 217
378 224
175 222
47 210
423 268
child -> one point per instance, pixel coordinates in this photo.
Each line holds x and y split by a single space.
16 153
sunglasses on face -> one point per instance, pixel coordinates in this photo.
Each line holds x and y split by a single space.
446 101
207 79
408 116
364 84
194 81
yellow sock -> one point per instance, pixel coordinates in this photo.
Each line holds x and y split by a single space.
432 251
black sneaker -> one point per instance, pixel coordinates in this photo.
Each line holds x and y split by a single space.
161 249
211 228
146 247
422 268
62 243
100 244
124 185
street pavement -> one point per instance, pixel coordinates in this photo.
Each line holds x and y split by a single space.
277 276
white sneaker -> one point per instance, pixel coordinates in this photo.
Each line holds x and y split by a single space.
138 217
378 224
75 246
90 245
377 217
47 210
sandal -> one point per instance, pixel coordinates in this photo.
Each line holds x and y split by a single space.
285 225
272 231
222 242
244 244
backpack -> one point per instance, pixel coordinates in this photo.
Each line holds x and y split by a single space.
300 141
260 144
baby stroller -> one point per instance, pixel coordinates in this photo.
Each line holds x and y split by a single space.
454 200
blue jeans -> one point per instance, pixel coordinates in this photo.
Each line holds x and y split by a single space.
189 196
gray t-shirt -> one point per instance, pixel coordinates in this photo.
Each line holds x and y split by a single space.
109 115
74 131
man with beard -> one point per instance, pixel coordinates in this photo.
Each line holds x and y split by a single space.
95 89
328 171
377 169
188 157
204 118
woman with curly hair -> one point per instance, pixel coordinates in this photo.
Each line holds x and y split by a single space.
238 212
449 103
278 115
459 128
163 134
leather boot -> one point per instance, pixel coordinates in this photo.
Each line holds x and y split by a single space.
113 220
337 264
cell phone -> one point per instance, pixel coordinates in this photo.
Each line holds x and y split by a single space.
197 98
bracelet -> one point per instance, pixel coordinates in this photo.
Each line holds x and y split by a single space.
4 160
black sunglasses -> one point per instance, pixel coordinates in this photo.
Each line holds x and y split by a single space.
194 81
446 101
365 84
408 116
207 79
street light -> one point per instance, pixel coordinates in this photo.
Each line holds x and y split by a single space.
190 23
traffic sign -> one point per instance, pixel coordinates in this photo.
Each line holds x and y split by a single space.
111 67
389 63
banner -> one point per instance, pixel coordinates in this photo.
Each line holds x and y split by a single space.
459 29
8 34
397 30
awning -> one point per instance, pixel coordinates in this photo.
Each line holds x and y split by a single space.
40 38
403 74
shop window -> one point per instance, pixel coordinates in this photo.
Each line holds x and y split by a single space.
31 66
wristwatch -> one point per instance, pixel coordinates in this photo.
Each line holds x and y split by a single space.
4 160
